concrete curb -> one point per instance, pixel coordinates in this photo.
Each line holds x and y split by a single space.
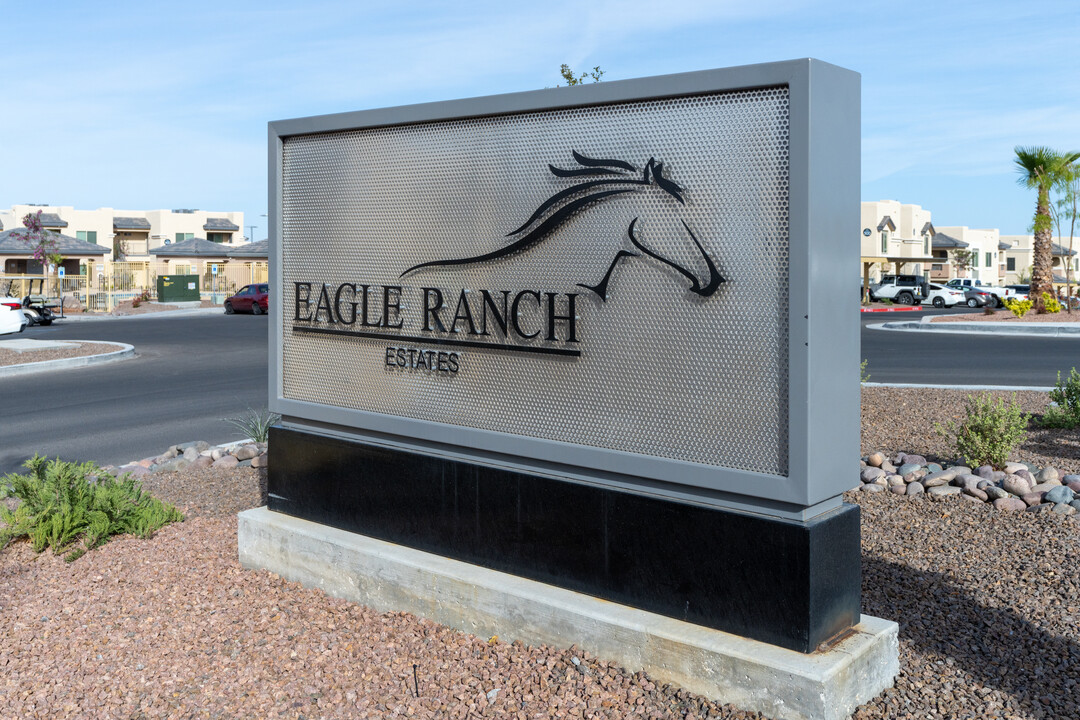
1040 330
898 309
125 351
971 388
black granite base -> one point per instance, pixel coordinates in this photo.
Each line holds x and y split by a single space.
785 583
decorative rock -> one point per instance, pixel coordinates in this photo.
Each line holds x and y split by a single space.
191 453
986 471
1059 495
961 469
225 463
246 452
1045 487
244 463
998 476
908 468
1075 504
893 480
1047 474
1016 485
995 493
1043 507
983 484
1032 498
871 474
1064 509
1074 485
206 453
203 461
933 467
170 453
875 459
900 489
937 479
946 475
972 498
915 459
1069 479
975 492
217 453
914 476
260 461
1012 467
915 488
869 487
1026 474
1010 504
886 466
135 470
898 458
944 490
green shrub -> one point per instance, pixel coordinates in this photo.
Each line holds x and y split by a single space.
989 431
63 509
863 375
1065 413
255 424
1019 308
1051 303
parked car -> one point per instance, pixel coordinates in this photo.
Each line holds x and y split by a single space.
941 296
904 289
11 318
1020 290
254 299
1000 293
975 298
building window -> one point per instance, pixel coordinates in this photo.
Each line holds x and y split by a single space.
181 237
87 235
218 237
989 260
925 245
1010 264
884 241
937 267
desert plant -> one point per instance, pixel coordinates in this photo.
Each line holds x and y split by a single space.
1065 412
1051 303
863 375
1019 308
75 507
989 431
255 424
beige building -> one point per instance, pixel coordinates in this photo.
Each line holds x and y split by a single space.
984 246
132 234
896 239
1016 258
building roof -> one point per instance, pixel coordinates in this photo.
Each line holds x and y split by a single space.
51 220
1004 246
928 228
941 240
259 249
11 243
1060 250
220 224
130 223
887 220
195 247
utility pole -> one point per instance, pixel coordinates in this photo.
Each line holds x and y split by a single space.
251 232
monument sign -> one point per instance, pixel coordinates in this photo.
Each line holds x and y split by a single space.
597 337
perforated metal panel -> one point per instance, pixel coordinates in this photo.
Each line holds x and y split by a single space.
661 372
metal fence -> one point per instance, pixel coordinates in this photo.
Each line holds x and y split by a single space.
104 285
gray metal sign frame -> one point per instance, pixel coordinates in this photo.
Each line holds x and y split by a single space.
823 341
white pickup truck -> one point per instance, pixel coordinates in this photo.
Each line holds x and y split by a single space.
971 284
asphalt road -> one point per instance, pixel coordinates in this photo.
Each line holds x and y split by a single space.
912 357
189 373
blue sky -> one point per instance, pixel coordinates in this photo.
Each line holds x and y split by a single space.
165 105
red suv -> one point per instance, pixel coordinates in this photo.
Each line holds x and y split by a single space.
251 298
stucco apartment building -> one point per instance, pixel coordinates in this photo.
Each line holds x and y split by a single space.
130 234
1016 258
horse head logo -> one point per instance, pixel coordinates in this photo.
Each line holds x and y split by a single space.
617 177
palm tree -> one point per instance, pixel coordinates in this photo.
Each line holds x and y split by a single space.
1040 168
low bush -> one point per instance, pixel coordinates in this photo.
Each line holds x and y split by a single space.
1051 303
1065 412
255 424
1019 308
76 507
863 375
989 432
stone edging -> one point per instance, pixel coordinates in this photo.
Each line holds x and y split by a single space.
124 352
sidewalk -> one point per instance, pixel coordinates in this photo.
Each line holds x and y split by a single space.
21 345
185 309
1040 329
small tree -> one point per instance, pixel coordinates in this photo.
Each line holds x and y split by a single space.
962 259
42 242
1066 209
571 79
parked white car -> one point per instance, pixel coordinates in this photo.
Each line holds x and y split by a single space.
1000 293
11 320
941 296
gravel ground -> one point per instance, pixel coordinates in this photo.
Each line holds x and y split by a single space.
11 357
988 605
904 419
127 308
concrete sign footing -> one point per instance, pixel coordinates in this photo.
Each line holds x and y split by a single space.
751 675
